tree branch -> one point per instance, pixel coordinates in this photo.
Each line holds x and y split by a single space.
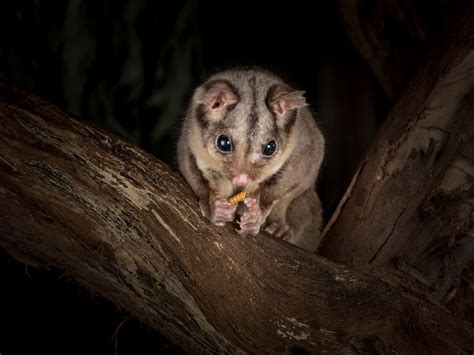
125 225
411 205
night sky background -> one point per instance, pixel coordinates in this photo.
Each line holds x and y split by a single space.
130 66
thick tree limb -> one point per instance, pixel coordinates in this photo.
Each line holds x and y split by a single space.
125 225
411 204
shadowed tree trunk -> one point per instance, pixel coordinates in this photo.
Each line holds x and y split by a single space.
392 36
411 203
389 35
123 224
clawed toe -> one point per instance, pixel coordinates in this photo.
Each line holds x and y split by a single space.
222 212
252 219
278 231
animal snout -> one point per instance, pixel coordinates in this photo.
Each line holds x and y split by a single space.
241 180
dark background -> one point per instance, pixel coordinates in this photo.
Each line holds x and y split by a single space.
130 66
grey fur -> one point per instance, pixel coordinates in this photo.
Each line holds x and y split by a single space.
284 183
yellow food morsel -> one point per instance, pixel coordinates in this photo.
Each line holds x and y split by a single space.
236 198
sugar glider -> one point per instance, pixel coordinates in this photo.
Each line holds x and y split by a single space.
247 130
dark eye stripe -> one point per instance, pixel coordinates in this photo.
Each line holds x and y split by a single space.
253 117
195 168
272 180
226 122
290 121
201 117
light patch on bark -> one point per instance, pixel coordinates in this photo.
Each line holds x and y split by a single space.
457 176
296 323
166 226
292 330
326 332
125 260
232 264
187 218
136 196
292 335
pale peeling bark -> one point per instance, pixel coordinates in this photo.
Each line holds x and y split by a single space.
411 204
124 225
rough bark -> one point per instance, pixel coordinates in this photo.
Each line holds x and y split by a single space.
125 225
411 203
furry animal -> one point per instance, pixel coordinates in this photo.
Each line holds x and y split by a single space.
247 130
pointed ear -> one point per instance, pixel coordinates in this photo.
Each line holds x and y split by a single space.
218 94
281 100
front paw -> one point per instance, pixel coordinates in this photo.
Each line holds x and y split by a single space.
222 212
279 231
252 219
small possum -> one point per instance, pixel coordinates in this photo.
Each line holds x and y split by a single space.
246 130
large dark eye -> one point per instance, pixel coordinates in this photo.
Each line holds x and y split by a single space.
223 144
270 148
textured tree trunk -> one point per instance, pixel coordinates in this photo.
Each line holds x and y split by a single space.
126 226
411 203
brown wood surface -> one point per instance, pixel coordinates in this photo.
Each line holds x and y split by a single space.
411 204
123 224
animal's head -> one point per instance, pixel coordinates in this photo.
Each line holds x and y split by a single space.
246 119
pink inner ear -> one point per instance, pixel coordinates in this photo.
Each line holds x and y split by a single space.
288 101
219 101
218 98
279 106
